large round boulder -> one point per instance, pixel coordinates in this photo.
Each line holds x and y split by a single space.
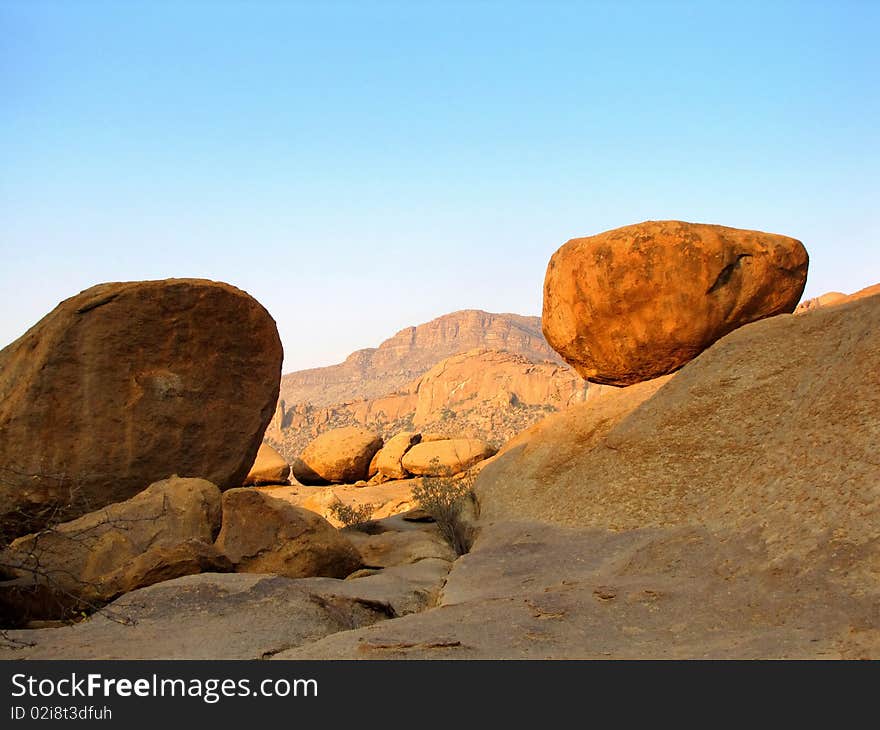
640 301
125 384
445 458
338 456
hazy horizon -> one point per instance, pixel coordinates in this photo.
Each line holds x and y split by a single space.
363 167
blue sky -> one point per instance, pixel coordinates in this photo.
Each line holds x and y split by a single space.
360 167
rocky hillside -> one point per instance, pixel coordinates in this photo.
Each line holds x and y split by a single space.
392 366
467 373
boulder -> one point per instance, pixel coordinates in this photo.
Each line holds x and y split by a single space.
125 384
165 531
338 456
161 563
640 301
262 534
269 468
388 458
445 458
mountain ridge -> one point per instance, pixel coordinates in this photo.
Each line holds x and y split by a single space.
411 352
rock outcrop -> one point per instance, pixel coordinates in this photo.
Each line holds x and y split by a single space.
164 532
126 384
262 534
340 456
728 510
445 458
640 301
269 468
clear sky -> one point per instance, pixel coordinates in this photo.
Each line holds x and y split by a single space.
360 167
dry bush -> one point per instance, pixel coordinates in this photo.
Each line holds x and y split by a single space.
352 516
445 499
26 584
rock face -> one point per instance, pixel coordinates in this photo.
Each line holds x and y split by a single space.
209 616
445 458
340 456
389 456
262 534
269 468
638 302
164 532
126 384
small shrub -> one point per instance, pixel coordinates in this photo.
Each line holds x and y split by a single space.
352 516
444 498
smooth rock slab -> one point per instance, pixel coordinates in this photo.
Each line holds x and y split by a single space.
232 616
536 591
207 616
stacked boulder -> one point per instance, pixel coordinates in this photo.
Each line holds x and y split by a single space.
352 455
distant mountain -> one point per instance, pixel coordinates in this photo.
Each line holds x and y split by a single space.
413 351
468 373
